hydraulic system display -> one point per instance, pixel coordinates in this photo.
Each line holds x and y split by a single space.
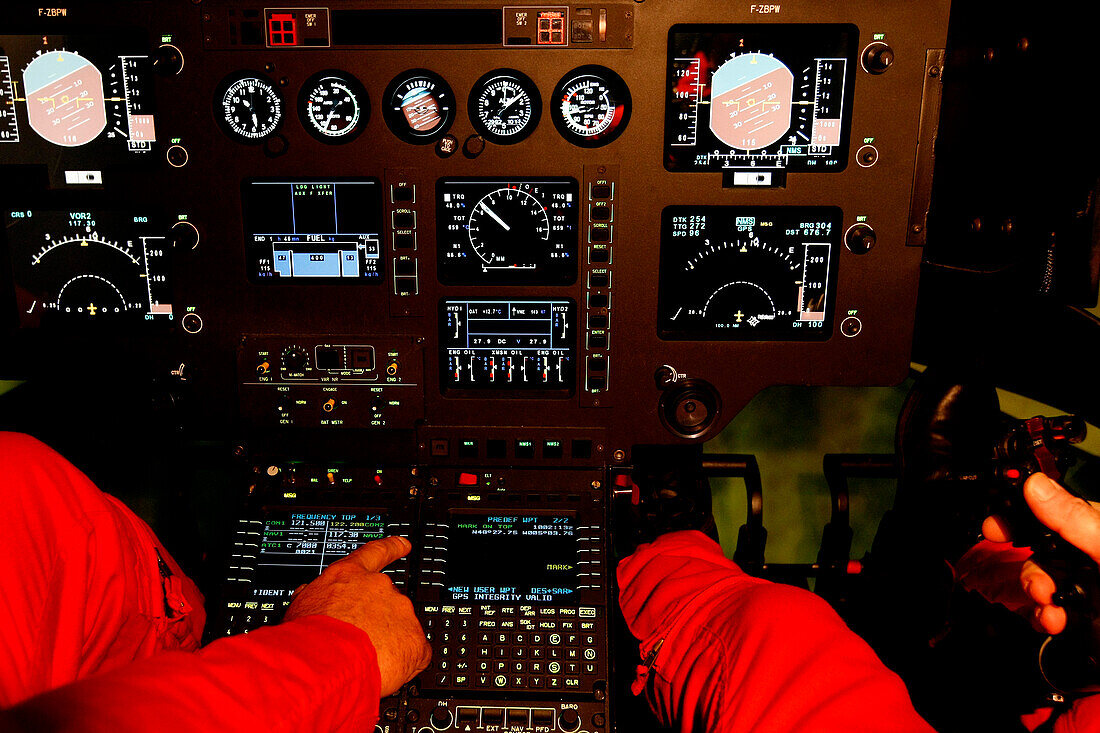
500 232
518 558
751 273
508 345
72 92
84 268
759 97
313 231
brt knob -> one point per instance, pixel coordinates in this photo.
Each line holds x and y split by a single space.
859 238
877 58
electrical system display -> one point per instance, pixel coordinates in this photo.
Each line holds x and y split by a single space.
591 106
333 107
501 232
74 91
316 231
533 558
248 107
505 106
419 106
88 268
751 273
508 346
761 96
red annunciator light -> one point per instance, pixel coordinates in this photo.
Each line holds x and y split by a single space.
282 30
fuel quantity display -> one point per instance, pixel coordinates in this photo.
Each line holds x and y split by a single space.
751 97
87 269
507 232
313 231
748 273
507 346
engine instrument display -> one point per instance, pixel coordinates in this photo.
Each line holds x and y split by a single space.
508 346
501 232
505 106
316 231
761 96
750 273
419 106
333 107
248 107
591 106
534 558
89 268
75 92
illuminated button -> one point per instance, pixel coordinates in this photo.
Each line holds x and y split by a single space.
598 300
542 717
404 241
402 194
467 449
599 234
500 680
467 716
599 279
525 449
552 449
492 716
597 340
597 320
601 191
404 220
328 359
601 212
597 364
404 267
517 717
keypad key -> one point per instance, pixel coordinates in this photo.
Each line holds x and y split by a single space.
484 651
572 683
518 680
500 652
536 681
461 680
519 652
589 653
500 680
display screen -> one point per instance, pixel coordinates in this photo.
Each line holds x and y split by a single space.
760 96
79 268
511 558
507 232
313 231
508 346
89 96
752 273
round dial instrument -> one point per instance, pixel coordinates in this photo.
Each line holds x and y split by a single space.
248 107
333 107
505 106
419 106
591 106
503 226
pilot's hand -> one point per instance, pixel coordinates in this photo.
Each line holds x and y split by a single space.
353 589
1076 520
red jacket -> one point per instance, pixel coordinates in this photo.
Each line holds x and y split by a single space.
82 610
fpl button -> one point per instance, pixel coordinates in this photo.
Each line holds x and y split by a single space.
467 479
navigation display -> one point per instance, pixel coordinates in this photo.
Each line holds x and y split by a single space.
508 346
760 96
507 232
88 269
315 231
511 558
89 96
750 273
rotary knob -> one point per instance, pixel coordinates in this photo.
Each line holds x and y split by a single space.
569 720
441 719
294 359
877 58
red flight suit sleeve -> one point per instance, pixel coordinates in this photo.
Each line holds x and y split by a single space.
314 673
730 652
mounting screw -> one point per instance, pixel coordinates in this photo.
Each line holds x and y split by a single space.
619 455
433 481
596 485
238 450
917 229
933 71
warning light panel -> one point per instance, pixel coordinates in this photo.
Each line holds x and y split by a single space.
551 28
297 27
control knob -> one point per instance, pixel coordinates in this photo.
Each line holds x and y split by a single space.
689 408
569 720
295 359
877 58
859 238
441 719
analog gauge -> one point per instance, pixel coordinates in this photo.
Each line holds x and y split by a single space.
333 107
419 106
505 106
248 107
505 227
591 106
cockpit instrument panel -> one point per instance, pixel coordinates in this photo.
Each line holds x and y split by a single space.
315 231
767 96
88 97
507 232
89 268
749 273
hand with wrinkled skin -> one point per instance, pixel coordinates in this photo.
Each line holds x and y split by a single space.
354 589
1076 520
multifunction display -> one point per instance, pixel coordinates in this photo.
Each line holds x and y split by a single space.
511 558
507 232
508 345
74 92
316 231
752 273
761 96
89 268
